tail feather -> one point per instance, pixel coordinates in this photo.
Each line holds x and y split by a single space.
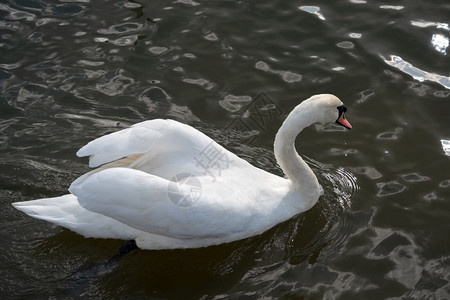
65 211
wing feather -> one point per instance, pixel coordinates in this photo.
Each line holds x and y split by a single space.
160 136
141 200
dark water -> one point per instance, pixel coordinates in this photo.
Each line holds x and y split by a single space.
71 71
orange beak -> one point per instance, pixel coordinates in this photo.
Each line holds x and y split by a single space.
343 121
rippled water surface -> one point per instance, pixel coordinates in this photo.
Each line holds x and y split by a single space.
71 71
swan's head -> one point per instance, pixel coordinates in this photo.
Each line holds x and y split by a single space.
325 108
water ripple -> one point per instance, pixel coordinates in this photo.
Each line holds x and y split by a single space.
424 24
391 135
188 2
116 85
61 10
446 146
440 42
315 10
157 50
393 7
323 231
414 177
234 103
287 76
340 181
200 82
389 188
370 172
122 28
418 74
15 14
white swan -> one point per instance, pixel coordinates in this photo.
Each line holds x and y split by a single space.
166 185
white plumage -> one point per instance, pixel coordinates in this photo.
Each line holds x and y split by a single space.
167 185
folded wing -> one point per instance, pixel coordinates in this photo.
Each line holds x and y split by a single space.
159 136
142 201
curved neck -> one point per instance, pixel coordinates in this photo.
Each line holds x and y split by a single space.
300 174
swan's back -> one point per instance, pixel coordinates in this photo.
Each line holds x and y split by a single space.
162 137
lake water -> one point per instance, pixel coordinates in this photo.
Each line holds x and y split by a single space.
71 71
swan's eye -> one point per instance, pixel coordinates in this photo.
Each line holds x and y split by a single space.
342 109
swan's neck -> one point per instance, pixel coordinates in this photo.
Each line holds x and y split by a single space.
300 174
